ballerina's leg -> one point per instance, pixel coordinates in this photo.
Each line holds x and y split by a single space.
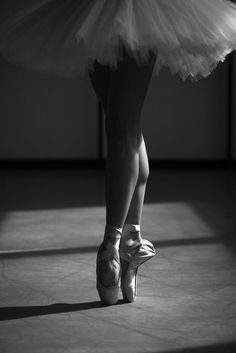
128 86
122 93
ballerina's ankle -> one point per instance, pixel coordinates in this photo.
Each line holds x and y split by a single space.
112 234
131 233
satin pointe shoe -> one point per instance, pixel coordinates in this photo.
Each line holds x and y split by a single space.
133 253
108 273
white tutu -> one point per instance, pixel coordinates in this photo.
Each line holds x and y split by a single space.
64 37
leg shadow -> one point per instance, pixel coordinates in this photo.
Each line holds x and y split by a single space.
19 312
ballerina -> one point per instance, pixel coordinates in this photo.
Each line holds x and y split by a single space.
121 44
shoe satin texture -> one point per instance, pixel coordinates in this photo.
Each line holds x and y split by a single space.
108 273
133 253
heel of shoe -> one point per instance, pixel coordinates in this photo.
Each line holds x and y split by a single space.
108 296
136 282
132 257
108 273
129 275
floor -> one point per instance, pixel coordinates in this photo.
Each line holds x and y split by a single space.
51 223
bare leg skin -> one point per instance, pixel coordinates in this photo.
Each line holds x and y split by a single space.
122 93
136 207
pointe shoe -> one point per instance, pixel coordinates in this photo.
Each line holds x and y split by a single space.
108 273
133 253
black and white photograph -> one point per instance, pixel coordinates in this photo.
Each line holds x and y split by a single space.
117 176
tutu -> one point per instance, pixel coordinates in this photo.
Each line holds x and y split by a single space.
65 37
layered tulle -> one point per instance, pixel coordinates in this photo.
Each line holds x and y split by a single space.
64 37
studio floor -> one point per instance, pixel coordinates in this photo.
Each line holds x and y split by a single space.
51 223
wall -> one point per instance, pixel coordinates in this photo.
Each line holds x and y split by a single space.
46 117
185 119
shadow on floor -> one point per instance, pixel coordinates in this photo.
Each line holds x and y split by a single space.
215 348
211 194
23 190
19 312
93 249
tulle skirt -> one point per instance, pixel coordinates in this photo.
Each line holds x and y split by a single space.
65 37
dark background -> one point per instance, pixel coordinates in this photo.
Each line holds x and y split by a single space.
46 119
